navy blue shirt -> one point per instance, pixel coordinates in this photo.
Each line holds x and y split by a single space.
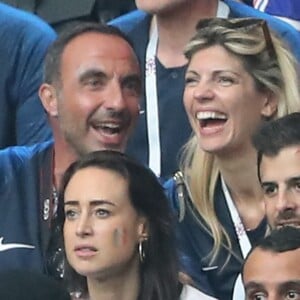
24 40
195 245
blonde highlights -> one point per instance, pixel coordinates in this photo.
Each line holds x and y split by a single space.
272 66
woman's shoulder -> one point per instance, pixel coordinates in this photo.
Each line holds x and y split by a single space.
175 191
191 293
174 183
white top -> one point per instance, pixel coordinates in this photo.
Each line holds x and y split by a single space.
190 293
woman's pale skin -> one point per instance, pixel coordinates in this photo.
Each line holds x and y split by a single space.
225 108
102 231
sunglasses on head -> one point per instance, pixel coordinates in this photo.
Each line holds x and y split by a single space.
243 25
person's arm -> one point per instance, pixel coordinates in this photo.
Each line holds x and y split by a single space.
30 120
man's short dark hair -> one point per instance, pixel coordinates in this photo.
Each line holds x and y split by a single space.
52 63
280 240
275 135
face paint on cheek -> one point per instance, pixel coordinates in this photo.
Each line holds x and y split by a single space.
119 237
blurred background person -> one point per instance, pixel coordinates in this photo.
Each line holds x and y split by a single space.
288 10
24 40
59 13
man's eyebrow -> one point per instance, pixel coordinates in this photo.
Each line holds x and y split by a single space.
289 181
252 285
191 72
291 284
268 183
135 77
90 74
293 179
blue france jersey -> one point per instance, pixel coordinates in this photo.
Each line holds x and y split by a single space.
288 10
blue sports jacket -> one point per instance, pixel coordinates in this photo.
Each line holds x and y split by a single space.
25 196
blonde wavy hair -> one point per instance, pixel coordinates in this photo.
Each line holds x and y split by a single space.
272 66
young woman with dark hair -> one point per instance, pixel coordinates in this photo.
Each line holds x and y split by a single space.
118 232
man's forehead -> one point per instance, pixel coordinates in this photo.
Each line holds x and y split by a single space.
87 53
90 43
286 151
288 159
266 268
262 257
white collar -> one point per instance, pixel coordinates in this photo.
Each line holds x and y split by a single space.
222 10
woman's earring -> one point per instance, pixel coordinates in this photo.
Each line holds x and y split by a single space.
142 250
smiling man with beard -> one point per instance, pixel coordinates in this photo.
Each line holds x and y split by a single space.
91 94
278 146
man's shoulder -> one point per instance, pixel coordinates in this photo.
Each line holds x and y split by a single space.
18 156
23 22
136 26
131 21
241 10
287 32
